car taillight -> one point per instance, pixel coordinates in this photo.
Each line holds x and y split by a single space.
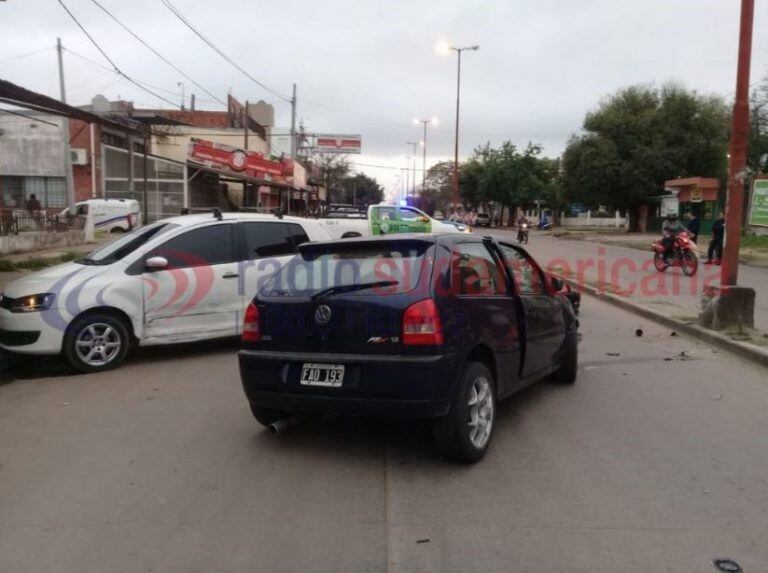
251 328
421 324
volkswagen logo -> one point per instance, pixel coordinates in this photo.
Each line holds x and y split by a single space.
323 314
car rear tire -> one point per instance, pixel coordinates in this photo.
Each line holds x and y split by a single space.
569 366
96 342
466 432
266 416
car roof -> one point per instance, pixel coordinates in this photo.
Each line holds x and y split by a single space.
200 218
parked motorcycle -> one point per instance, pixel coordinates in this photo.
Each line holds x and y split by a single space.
544 226
684 255
522 233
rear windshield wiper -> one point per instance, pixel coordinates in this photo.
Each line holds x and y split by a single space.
351 288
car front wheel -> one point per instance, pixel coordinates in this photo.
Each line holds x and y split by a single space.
465 433
96 342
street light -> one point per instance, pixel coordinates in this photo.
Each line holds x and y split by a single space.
444 48
415 144
425 122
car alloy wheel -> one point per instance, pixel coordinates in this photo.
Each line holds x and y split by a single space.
481 412
98 344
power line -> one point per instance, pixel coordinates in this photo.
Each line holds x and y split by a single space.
106 57
28 116
219 51
154 51
25 54
112 71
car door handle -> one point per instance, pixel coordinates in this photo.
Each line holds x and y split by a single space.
230 275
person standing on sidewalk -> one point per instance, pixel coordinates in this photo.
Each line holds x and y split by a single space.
716 244
694 227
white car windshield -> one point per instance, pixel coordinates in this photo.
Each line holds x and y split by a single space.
125 245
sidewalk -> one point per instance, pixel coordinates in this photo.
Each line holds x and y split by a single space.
626 276
49 256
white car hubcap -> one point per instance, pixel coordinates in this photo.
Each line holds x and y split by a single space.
98 344
480 412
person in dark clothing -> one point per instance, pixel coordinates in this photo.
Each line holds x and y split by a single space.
33 204
716 244
693 227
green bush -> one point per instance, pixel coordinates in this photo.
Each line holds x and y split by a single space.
37 263
6 266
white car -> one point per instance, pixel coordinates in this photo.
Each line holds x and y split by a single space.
111 215
181 279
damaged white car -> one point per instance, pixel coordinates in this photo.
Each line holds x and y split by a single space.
181 279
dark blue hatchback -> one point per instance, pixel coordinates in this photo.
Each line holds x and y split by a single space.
439 326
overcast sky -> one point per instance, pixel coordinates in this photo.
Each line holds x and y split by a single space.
370 67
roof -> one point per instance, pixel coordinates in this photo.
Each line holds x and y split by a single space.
702 182
200 218
13 94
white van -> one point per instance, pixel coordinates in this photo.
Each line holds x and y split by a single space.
111 215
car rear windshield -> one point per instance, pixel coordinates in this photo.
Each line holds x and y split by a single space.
126 244
366 269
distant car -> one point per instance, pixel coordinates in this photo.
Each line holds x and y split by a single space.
483 220
181 279
111 215
435 326
384 220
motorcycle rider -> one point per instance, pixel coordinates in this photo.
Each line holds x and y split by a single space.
670 228
522 220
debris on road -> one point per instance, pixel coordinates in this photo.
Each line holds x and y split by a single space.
673 333
639 332
613 353
717 397
422 540
727 565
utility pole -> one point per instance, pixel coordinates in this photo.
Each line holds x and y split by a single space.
731 305
423 161
245 124
415 144
293 138
65 135
183 98
738 150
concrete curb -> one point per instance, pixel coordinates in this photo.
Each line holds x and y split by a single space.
754 353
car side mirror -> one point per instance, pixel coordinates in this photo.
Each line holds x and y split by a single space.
156 263
557 283
424 219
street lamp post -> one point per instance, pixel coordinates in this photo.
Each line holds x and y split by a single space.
415 144
444 48
424 122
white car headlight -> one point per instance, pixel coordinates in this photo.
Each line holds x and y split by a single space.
30 303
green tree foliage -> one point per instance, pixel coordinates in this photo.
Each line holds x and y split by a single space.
437 196
506 176
640 137
758 129
358 189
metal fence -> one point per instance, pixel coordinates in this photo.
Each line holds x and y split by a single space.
15 221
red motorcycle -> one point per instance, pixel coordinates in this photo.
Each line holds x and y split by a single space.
684 255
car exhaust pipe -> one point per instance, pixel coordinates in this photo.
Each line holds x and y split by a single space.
281 426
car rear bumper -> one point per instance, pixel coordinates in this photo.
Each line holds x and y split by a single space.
385 386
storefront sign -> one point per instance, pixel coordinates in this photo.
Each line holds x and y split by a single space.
696 195
328 143
758 212
232 160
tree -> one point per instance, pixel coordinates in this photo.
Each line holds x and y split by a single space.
505 176
757 157
332 169
437 196
358 189
640 137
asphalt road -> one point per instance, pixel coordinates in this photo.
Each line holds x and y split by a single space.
653 461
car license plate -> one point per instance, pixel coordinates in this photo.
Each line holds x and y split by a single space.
330 375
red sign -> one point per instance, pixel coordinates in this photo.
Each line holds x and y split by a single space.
224 158
328 143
